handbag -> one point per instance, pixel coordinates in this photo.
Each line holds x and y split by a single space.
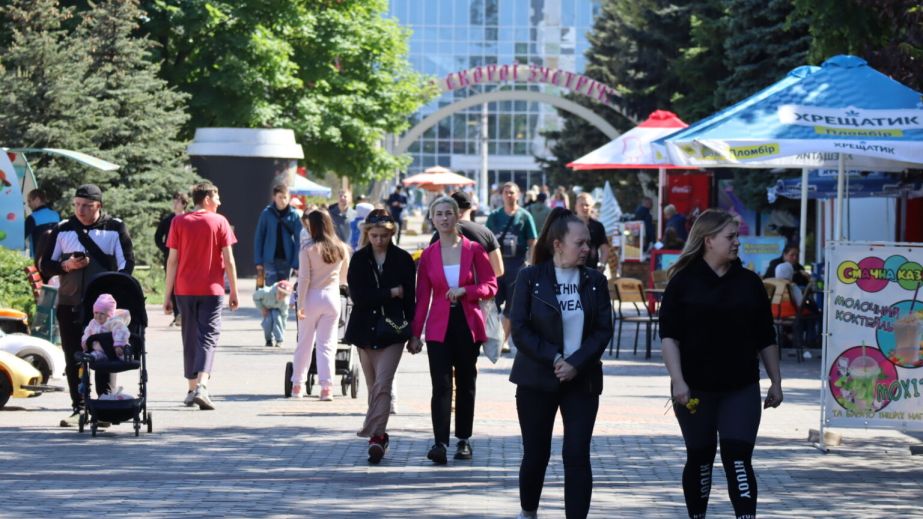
390 328
492 325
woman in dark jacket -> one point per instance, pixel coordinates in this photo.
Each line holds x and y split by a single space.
561 323
381 279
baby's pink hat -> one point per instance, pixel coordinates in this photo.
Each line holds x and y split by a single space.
105 304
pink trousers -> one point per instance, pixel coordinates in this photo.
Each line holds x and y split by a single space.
319 326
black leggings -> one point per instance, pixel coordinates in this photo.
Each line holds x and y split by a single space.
459 351
537 410
734 416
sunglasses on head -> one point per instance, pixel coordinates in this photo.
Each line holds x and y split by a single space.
379 218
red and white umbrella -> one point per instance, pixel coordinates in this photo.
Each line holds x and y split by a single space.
633 150
436 178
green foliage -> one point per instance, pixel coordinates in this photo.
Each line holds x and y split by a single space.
763 44
15 291
152 281
333 71
94 89
887 33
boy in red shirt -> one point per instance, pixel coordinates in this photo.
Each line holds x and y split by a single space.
200 253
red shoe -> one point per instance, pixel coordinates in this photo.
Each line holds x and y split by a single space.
377 447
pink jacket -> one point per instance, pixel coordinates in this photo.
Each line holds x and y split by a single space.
432 287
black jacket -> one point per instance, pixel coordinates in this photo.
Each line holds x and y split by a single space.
368 299
109 234
538 330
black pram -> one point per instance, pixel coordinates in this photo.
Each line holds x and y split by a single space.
128 295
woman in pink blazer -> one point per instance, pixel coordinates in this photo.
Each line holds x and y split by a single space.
453 275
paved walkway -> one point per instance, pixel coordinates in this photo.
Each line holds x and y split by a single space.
260 454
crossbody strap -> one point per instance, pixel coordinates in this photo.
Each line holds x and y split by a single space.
508 224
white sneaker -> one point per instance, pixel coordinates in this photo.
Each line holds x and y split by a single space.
297 392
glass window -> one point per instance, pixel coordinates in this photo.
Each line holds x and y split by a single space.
445 12
461 12
458 147
491 12
429 146
444 128
520 148
444 147
521 126
491 147
507 15
415 147
567 12
473 148
504 148
429 12
491 34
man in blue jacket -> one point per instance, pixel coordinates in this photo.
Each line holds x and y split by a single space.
275 247
42 218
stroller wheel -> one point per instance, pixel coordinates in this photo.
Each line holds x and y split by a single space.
344 384
309 384
287 391
93 429
81 422
137 427
150 423
354 387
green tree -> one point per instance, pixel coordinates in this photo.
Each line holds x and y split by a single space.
763 44
137 123
43 101
83 80
701 63
334 71
887 33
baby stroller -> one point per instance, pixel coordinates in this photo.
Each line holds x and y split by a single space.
129 296
345 362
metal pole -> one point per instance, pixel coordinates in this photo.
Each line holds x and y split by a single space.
661 180
803 231
483 182
840 182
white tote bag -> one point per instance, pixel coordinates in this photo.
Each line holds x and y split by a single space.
492 325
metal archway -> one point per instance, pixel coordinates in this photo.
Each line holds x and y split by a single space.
403 144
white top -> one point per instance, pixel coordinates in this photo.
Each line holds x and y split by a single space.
451 274
567 291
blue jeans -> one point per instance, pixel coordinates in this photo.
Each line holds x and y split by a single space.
274 325
276 270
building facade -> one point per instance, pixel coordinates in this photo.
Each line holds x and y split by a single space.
453 35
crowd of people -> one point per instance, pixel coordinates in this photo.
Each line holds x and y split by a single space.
541 265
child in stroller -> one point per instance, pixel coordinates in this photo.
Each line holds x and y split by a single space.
125 292
107 318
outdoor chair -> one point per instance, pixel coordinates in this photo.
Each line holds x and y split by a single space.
799 323
630 304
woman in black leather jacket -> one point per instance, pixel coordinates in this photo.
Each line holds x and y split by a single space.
561 323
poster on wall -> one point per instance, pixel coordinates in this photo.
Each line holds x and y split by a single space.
633 241
873 363
756 252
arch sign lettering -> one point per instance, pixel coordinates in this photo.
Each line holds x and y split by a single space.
519 73
535 74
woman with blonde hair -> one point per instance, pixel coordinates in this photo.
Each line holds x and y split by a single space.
381 285
454 275
715 323
322 268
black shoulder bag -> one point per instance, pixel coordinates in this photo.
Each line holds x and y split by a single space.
94 251
508 242
391 327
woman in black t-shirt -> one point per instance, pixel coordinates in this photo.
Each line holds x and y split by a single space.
715 322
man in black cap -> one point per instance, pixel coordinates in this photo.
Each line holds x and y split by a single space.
476 232
84 245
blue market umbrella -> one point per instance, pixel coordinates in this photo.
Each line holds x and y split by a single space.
845 114
303 186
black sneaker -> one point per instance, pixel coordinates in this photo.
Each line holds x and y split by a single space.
437 454
202 400
269 344
463 450
377 449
